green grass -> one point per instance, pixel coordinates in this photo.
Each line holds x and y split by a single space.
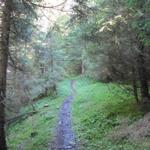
98 108
63 88
35 132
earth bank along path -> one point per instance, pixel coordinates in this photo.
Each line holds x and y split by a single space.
65 138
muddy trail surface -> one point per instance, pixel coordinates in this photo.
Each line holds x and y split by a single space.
65 138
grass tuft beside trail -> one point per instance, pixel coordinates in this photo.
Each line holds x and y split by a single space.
97 110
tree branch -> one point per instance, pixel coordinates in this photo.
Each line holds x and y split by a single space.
43 6
13 64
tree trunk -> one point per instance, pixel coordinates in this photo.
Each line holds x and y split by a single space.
143 73
4 47
82 67
134 84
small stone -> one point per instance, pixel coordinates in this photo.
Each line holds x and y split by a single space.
46 105
71 143
68 147
60 123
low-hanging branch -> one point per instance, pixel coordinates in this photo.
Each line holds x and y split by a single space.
43 6
19 117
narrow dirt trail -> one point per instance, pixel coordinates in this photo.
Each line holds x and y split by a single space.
65 138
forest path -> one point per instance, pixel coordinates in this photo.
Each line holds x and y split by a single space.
65 138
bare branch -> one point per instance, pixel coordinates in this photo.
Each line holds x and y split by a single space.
49 7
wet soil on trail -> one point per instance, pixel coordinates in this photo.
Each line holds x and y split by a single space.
65 138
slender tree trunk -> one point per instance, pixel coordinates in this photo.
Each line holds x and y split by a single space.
134 84
4 47
82 67
141 62
143 73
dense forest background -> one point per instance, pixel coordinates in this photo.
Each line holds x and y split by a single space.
43 42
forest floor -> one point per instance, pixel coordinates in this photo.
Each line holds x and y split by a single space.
104 116
53 117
